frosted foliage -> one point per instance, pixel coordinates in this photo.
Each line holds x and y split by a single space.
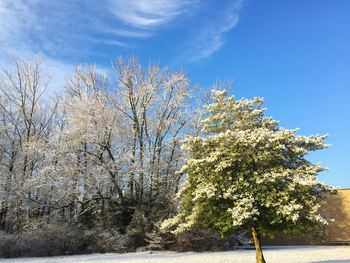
246 171
93 153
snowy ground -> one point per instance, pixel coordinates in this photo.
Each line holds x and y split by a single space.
297 254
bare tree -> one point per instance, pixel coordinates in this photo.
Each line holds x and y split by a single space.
154 102
27 124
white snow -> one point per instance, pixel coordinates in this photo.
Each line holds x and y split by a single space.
295 254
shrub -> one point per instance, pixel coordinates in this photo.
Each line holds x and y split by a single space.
158 240
50 241
138 229
102 241
203 240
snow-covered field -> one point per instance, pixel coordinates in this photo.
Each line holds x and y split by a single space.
297 254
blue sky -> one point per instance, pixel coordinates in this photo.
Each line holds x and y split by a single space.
295 53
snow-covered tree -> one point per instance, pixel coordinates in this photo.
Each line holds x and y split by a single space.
26 123
155 103
248 173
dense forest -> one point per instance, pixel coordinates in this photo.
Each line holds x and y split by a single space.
98 159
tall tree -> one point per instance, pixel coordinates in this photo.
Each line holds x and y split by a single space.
26 126
155 104
248 173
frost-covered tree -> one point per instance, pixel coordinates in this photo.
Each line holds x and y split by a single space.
155 103
26 124
105 147
248 173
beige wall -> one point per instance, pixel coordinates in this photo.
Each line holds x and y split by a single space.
337 207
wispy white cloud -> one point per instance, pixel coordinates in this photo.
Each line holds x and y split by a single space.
66 31
106 41
148 13
35 27
52 31
61 27
16 19
211 36
127 33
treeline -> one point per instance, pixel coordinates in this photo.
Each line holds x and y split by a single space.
94 167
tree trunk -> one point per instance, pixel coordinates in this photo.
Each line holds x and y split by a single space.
141 173
259 254
132 163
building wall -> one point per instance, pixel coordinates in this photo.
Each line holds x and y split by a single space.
337 207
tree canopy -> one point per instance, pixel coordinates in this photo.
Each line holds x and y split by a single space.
246 172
